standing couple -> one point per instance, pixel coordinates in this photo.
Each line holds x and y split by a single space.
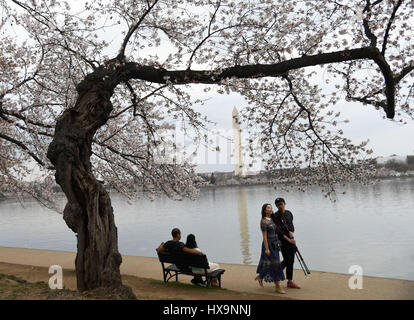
277 229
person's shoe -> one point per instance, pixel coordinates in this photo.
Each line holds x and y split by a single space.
215 283
197 282
260 281
291 284
280 290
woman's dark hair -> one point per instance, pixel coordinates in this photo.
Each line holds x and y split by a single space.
191 242
264 209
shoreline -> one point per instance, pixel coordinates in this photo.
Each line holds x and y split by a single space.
223 263
60 194
239 278
207 187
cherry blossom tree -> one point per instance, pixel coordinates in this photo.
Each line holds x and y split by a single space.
92 95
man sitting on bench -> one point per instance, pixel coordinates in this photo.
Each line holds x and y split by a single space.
176 246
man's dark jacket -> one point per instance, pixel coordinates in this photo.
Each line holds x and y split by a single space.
281 225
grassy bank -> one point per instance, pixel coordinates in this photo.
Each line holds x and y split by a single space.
22 282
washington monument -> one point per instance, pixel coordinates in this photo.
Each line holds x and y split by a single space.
237 145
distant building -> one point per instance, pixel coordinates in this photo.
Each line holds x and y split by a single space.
253 173
410 160
224 174
392 158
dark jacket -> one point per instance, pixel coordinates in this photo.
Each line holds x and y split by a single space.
174 246
281 225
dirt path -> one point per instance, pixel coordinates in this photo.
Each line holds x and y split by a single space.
147 279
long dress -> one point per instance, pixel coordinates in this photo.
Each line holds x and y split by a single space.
269 268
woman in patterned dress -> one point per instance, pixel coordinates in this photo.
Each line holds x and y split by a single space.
269 268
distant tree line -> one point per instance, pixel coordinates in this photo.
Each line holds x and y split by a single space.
398 165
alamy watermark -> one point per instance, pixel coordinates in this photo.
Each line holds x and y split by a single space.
216 147
56 280
355 282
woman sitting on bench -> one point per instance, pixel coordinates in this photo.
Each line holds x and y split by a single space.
192 244
176 246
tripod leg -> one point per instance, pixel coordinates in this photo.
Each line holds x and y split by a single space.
304 264
307 270
301 258
300 264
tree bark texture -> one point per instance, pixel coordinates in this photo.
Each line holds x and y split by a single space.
88 211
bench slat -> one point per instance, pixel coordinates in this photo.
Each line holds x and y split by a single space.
194 260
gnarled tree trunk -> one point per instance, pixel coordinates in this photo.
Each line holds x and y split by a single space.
88 211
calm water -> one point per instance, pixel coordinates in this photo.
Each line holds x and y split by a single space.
370 226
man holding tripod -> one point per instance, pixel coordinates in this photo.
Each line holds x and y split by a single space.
284 221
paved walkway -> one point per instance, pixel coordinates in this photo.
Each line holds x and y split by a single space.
317 285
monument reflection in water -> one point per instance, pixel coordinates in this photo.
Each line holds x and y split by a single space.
244 225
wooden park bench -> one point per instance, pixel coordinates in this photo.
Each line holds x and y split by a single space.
181 263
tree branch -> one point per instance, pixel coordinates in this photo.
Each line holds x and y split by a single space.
372 37
22 146
387 31
159 75
131 30
405 71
